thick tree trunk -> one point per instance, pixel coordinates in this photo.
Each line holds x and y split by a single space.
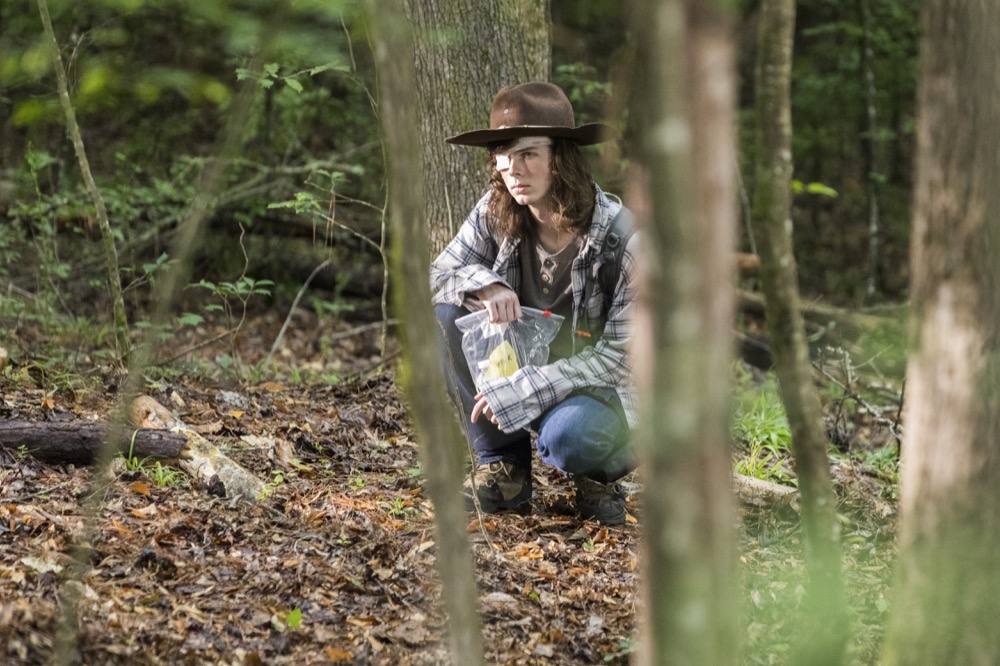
466 50
947 595
824 635
685 142
76 443
442 446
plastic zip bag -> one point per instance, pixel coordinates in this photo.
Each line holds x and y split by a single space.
500 350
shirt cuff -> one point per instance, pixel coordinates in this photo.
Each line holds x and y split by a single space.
507 405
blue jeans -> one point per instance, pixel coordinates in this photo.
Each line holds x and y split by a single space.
585 434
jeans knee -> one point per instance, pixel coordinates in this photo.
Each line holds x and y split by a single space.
572 454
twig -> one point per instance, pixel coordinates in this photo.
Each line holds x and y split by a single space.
892 425
291 310
13 288
201 345
361 329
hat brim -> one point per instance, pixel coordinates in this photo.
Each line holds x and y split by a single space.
584 135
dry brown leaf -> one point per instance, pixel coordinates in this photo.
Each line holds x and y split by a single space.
120 528
337 655
140 488
146 512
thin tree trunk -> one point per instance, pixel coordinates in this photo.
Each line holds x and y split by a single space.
443 448
107 237
685 143
869 140
464 51
946 601
823 637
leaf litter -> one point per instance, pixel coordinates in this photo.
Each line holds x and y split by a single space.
336 565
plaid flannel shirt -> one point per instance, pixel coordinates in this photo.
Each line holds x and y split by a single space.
476 258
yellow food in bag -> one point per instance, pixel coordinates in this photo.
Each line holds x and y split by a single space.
502 362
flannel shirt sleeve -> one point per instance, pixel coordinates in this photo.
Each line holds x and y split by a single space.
519 399
465 265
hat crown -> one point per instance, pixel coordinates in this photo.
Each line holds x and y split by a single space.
532 109
531 105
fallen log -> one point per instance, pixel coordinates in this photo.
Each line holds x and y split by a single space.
158 435
759 492
200 458
843 323
79 443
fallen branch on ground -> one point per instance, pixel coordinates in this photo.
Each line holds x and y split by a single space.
157 435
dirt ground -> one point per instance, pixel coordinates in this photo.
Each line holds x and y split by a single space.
337 564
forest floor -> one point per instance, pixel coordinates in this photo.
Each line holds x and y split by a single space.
337 564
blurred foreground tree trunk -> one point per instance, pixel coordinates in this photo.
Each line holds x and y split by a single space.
684 114
946 601
442 447
464 51
823 637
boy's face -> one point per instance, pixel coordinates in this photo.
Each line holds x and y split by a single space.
526 169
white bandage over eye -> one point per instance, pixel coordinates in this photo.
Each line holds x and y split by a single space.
504 154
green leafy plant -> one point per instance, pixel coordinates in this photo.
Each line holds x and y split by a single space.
291 620
398 507
163 476
357 481
762 427
277 478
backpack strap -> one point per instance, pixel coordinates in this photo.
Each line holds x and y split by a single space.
621 231
615 241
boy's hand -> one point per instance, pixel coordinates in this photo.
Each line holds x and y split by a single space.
502 303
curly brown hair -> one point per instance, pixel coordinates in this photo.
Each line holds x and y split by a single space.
572 192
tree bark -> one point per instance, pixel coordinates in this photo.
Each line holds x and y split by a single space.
443 448
684 109
76 443
464 52
824 634
947 593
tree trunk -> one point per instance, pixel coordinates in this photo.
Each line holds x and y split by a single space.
443 447
823 637
947 593
466 50
684 110
869 143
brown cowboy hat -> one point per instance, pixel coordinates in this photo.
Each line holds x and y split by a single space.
532 109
